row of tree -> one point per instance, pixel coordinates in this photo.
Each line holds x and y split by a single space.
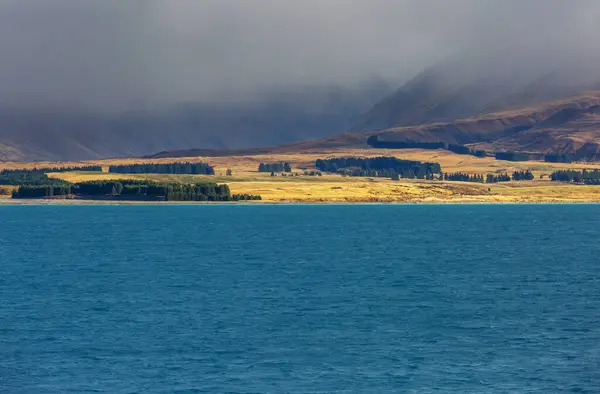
353 165
305 173
151 189
131 189
522 176
275 167
163 168
567 176
375 142
51 169
38 191
492 178
463 177
17 178
245 197
588 177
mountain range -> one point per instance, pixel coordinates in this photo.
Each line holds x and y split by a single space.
553 112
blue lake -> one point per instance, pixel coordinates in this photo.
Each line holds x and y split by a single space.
294 298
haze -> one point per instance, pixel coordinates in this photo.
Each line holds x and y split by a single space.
114 54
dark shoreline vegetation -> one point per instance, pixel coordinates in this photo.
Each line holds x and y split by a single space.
133 190
36 183
163 168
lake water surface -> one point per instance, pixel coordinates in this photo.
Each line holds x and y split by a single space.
294 298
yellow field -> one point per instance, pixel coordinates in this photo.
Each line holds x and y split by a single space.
335 188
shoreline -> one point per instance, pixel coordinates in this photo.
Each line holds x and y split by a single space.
336 189
42 202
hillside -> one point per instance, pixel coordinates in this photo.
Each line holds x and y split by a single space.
571 125
563 126
459 89
490 104
499 113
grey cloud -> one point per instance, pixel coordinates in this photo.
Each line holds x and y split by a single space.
115 54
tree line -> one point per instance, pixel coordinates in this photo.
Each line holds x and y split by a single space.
163 168
305 173
489 178
492 178
588 177
132 189
37 191
38 176
51 169
463 177
245 197
353 166
275 167
522 175
17 178
383 173
207 191
375 142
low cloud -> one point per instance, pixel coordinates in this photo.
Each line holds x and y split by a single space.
117 54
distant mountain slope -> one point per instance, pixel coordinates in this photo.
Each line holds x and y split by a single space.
575 131
496 125
272 118
568 126
338 141
452 91
571 126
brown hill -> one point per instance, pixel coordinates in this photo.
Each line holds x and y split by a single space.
565 126
574 131
501 129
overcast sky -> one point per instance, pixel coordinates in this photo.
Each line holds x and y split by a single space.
120 53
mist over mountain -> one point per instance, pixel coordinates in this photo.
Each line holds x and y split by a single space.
111 78
463 87
273 117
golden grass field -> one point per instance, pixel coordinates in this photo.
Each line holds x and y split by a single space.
335 188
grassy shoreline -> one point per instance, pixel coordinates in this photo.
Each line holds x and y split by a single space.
336 189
